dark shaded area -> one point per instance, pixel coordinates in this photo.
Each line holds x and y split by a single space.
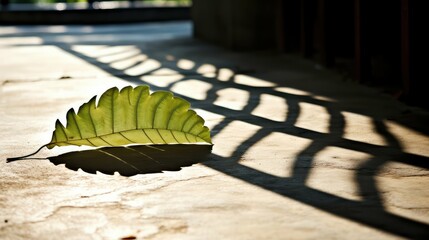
372 42
132 160
238 24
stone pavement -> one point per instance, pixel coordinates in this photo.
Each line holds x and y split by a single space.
299 152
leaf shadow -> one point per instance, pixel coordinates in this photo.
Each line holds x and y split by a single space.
133 160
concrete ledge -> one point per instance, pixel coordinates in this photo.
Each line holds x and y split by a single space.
95 16
298 152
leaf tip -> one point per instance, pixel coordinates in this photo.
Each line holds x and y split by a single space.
58 123
70 112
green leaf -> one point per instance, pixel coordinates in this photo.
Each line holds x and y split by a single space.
131 116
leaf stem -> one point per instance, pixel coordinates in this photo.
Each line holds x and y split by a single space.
22 157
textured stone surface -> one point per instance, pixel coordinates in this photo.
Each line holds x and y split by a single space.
298 154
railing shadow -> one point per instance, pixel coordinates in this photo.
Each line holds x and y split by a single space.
295 187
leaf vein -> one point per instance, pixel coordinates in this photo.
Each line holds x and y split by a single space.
113 111
161 136
202 130
92 121
171 115
193 125
77 125
156 109
105 141
126 137
129 97
90 142
172 133
184 123
147 135
186 136
64 131
137 108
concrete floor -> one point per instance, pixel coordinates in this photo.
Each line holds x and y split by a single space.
299 152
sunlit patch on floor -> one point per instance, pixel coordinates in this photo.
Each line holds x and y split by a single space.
228 140
334 171
270 154
271 107
225 74
206 68
411 141
161 81
232 98
405 196
313 117
185 64
129 62
119 56
211 119
192 88
323 98
144 67
98 51
292 91
341 158
252 81
401 170
20 40
361 128
298 92
338 182
164 71
209 75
